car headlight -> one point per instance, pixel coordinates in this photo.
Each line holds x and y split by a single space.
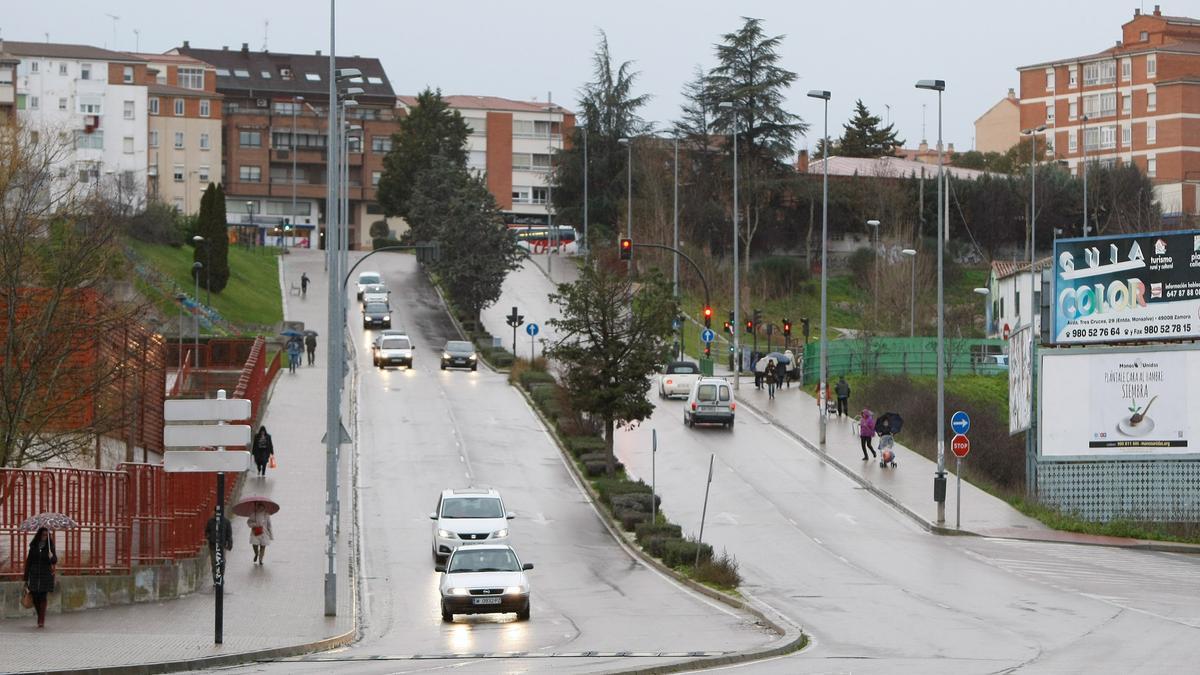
501 533
445 355
515 590
458 591
446 534
472 357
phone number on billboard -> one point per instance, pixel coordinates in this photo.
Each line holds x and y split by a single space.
1166 328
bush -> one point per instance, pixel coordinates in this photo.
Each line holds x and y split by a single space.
531 377
500 358
382 242
647 531
683 552
595 469
484 344
159 223
631 519
521 366
781 276
618 485
635 501
583 445
542 392
655 545
722 571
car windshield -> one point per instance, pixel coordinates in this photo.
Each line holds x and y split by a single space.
369 279
395 343
459 346
484 560
376 308
376 289
682 369
472 507
707 392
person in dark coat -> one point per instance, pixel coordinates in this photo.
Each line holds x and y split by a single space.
226 538
769 376
39 571
304 284
310 346
262 449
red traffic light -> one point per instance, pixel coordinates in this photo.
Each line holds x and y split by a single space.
626 249
708 312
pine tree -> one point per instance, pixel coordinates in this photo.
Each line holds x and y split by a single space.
218 237
863 137
431 129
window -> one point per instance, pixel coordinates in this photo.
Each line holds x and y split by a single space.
1072 141
1108 137
250 139
375 176
1101 72
1100 105
127 74
250 174
161 76
62 104
202 173
478 125
1126 69
1143 36
86 141
204 144
127 145
178 107
191 78
33 66
372 79
178 140
285 73
266 74
128 110
285 107
521 195
541 162
539 195
381 144
1050 111
1151 101
312 77
222 72
85 71
1126 103
477 159
1073 110
91 106
1126 135
1151 65
1072 76
1151 166
241 72
34 103
177 173
1049 79
153 105
1151 132
62 69
205 107
152 139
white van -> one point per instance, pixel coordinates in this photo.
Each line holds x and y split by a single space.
710 401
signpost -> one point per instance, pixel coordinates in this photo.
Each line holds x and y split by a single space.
960 422
960 445
653 480
708 336
515 320
532 330
219 410
704 509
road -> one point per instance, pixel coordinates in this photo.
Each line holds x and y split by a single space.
880 595
423 430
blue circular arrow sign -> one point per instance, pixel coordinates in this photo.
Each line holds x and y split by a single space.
960 422
708 335
531 329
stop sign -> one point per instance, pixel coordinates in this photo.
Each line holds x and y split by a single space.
960 445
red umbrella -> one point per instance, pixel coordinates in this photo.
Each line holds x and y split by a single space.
246 505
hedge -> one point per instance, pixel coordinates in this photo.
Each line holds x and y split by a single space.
683 552
647 531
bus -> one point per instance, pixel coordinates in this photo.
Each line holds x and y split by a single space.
538 238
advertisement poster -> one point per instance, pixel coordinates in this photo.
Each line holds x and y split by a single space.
1117 402
1127 288
1020 380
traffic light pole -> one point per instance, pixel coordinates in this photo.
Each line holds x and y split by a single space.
685 257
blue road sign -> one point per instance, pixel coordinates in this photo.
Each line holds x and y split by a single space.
960 422
531 329
675 324
708 335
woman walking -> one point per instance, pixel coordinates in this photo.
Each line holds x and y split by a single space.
866 429
263 449
39 571
260 531
769 376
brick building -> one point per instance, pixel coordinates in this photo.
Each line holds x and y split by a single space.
1141 100
999 128
264 94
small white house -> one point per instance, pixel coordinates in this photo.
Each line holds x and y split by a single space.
1009 303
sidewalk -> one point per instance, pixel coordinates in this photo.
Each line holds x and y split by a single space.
271 610
909 486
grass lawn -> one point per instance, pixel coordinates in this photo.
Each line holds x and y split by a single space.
252 297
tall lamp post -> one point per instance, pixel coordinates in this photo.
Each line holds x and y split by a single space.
939 480
196 240
586 250
628 143
1030 434
253 230
737 287
1085 201
296 101
912 301
196 267
874 225
822 376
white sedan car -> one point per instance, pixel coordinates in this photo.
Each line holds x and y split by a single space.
484 579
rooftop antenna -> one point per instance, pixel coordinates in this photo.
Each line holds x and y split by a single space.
889 113
137 40
923 136
266 30
47 37
115 19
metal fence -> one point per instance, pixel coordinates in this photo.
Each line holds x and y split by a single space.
903 356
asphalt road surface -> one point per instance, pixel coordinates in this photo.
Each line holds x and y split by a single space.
422 430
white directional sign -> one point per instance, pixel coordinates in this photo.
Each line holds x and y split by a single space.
205 461
206 409
202 435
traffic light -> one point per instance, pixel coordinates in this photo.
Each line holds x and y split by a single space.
707 350
787 327
729 327
804 327
707 316
750 326
626 249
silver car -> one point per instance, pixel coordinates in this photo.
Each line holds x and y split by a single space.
395 351
484 579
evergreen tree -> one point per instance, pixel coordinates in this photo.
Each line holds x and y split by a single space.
863 137
431 128
218 239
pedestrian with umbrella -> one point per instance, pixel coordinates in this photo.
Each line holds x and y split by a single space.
263 450
258 511
295 345
41 560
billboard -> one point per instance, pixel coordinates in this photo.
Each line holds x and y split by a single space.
1130 288
1020 380
1117 402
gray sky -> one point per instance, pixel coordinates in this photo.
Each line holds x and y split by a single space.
869 49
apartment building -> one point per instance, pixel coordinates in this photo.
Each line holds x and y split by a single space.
1137 101
512 142
999 128
184 133
8 83
274 126
94 101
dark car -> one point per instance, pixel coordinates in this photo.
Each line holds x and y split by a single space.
377 314
458 354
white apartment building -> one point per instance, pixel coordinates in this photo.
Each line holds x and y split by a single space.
1009 306
94 102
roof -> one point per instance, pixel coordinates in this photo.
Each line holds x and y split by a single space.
885 167
170 58
1169 45
469 102
1007 99
67 51
169 90
301 65
1006 268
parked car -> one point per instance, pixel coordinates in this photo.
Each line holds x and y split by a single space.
394 331
710 401
396 350
466 516
377 314
368 279
484 579
375 293
677 379
459 354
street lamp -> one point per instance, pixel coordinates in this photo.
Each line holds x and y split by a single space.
939 481
737 290
874 224
1085 202
250 213
196 267
296 101
821 377
912 302
586 250
628 143
208 266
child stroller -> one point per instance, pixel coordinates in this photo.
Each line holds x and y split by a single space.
887 426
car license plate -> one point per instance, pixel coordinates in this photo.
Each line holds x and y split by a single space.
485 601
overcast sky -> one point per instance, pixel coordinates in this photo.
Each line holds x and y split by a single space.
869 49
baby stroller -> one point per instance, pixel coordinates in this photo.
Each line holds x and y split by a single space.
887 426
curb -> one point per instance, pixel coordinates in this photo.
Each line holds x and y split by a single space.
799 642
